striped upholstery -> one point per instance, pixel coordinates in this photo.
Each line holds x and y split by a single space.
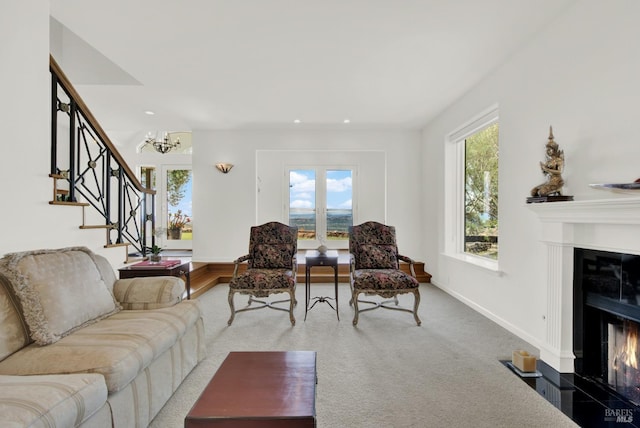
116 372
148 292
50 401
118 347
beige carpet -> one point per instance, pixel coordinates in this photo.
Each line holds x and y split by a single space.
386 371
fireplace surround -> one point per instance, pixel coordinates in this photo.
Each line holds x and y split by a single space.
606 319
611 225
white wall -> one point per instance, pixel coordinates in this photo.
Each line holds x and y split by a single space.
369 167
226 205
580 75
29 221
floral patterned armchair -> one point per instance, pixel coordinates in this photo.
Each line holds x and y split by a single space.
375 269
271 268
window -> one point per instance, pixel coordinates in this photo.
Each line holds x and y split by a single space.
481 192
320 204
471 199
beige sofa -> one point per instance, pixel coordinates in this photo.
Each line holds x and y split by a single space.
80 348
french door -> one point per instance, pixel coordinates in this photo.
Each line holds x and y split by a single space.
174 220
321 205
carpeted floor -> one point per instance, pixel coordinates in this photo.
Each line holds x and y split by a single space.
386 371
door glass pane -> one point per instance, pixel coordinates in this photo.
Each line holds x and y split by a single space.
339 199
302 202
179 222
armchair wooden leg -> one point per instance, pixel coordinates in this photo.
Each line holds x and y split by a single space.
354 299
292 303
233 310
416 303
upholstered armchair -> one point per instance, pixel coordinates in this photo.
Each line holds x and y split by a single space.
271 268
375 269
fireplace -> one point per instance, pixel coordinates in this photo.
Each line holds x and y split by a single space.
602 224
607 320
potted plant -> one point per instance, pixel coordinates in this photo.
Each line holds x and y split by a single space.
155 253
177 221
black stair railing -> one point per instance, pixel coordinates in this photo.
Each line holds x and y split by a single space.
84 156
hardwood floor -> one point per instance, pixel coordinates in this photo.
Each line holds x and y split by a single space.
205 276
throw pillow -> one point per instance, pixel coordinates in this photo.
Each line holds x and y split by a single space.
60 291
14 333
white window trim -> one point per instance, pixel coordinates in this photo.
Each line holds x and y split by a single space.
454 191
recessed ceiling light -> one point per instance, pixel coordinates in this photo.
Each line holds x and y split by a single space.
149 112
297 121
347 121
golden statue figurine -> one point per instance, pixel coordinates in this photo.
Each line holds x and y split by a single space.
552 168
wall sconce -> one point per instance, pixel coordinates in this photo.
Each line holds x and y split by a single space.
224 167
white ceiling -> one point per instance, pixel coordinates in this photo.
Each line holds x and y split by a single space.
247 64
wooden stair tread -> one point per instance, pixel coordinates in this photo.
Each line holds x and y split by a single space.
120 244
98 226
75 204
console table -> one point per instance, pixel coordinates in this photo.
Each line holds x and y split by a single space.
315 258
177 270
259 390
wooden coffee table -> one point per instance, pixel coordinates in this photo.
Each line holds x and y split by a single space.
258 390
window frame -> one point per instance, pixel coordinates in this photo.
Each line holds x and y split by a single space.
454 195
321 203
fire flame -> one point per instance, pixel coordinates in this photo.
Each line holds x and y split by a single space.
628 353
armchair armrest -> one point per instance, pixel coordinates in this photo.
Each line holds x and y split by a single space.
410 261
242 259
237 263
151 292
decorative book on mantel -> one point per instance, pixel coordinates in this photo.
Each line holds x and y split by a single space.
619 187
162 264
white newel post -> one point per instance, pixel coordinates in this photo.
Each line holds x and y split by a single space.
604 224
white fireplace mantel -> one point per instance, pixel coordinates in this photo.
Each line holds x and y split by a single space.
599 211
607 224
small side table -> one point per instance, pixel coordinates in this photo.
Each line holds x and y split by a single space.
177 270
314 258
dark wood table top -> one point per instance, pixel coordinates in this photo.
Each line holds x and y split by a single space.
133 271
260 388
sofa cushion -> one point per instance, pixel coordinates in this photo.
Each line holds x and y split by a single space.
118 347
50 401
14 333
60 291
149 292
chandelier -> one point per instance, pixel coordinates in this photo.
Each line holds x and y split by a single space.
164 145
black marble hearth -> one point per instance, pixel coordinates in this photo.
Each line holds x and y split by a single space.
587 403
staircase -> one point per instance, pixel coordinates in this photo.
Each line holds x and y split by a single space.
88 172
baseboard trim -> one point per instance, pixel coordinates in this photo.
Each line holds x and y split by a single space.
533 341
